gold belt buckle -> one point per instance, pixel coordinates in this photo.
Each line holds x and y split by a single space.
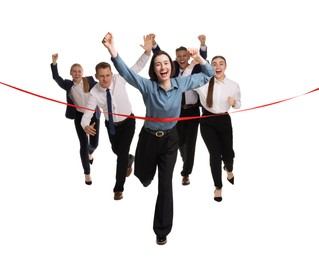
159 134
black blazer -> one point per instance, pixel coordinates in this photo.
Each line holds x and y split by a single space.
67 84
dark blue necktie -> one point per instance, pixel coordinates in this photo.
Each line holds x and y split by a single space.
183 95
109 109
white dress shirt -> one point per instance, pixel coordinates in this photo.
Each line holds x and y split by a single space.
120 101
191 96
78 96
222 90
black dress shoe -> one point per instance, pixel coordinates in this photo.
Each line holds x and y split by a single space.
218 199
146 183
185 180
118 195
91 161
161 240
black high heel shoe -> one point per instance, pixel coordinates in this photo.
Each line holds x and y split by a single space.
218 199
89 182
232 179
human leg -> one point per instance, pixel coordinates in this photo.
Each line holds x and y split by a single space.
84 147
121 142
163 216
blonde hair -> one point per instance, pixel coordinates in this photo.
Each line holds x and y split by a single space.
75 65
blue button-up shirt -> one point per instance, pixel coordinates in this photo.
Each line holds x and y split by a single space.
159 102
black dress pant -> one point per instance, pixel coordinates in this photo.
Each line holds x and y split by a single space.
87 144
159 153
217 134
121 143
187 132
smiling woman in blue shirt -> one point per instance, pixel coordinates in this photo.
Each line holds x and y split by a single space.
158 139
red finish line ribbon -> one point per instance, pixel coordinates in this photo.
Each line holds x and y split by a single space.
171 119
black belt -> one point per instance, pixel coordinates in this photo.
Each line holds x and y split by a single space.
121 122
159 133
187 106
206 113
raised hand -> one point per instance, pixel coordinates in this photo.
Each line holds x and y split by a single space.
55 57
153 38
147 44
202 39
108 42
194 53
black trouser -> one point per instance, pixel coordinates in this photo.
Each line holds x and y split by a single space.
158 152
187 132
87 145
121 143
217 134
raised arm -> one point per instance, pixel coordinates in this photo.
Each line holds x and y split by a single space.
127 73
203 47
108 42
142 61
155 47
194 53
55 57
55 74
147 44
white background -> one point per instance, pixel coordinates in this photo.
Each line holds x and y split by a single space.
47 212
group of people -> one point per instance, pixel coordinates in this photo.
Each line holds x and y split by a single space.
174 89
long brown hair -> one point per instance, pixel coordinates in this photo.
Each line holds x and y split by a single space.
210 92
86 85
151 71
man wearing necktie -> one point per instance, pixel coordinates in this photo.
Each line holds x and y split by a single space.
111 96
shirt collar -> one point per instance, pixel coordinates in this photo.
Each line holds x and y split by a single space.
221 82
80 83
104 89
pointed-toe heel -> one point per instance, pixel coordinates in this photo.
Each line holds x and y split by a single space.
217 198
231 180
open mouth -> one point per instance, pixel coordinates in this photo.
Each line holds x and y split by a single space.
164 73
